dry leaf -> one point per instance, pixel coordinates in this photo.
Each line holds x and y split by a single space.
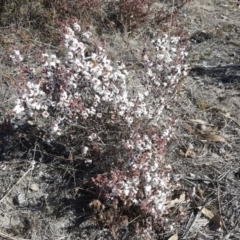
199 121
25 36
189 128
213 217
227 115
124 220
181 153
190 153
10 80
204 105
213 138
209 129
176 201
174 237
207 213
201 193
96 204
7 41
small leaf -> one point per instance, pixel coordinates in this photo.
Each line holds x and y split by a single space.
198 121
215 218
207 213
213 138
176 201
7 41
189 128
204 105
34 187
190 153
174 237
209 129
201 193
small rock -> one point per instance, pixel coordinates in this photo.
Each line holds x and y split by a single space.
224 17
232 54
20 199
34 187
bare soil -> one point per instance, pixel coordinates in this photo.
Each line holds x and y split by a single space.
44 196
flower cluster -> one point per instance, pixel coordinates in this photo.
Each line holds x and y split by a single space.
91 91
147 179
76 87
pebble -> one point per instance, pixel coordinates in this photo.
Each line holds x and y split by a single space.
34 187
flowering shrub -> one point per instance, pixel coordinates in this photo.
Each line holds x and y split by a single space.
108 114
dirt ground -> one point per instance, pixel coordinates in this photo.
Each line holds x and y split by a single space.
46 200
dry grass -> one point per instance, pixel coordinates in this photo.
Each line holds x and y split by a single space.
209 106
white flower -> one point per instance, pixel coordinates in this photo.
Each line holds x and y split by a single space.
121 113
140 97
97 98
84 114
148 178
99 115
69 31
52 64
45 114
59 133
68 111
74 85
95 104
129 120
169 167
31 93
166 132
20 58
45 55
96 82
69 55
17 53
53 57
92 137
126 192
44 107
45 64
63 95
154 167
85 150
31 103
76 27
18 109
38 106
30 113
91 111
75 43
105 98
54 127
160 207
87 34
175 40
88 162
18 101
155 182
77 95
147 189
